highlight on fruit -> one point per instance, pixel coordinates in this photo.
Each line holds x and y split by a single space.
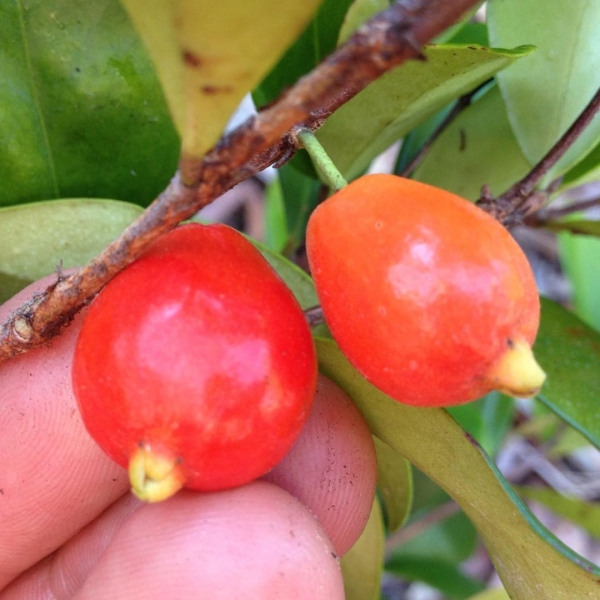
195 366
430 298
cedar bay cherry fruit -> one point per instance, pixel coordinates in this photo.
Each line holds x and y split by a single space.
195 365
428 296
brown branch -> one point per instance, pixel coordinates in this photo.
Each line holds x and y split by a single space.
386 41
389 39
314 316
547 215
521 199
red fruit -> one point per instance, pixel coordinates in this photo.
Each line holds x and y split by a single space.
429 297
195 366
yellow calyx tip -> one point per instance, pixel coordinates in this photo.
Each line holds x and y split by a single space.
517 373
153 475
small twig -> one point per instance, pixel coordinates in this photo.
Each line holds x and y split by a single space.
459 106
521 198
437 515
314 316
552 214
386 41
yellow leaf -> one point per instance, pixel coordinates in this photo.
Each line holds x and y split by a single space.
210 54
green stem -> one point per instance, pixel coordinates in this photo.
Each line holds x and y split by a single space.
323 163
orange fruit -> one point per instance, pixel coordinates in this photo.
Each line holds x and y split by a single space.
428 296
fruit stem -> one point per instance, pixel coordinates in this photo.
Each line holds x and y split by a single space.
327 170
154 475
517 373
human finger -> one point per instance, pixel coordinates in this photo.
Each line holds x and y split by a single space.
332 466
62 573
252 542
53 478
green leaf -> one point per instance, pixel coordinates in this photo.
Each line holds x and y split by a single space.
427 495
363 563
394 483
433 442
495 594
316 42
450 541
585 171
404 97
417 138
584 514
290 198
577 226
209 55
276 232
569 352
455 34
477 148
293 276
546 91
439 574
81 111
487 419
300 197
471 33
297 280
36 238
11 285
359 12
580 258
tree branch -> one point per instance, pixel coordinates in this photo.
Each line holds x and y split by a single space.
314 316
548 215
521 199
386 41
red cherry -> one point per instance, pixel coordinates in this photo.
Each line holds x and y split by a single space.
195 366
428 296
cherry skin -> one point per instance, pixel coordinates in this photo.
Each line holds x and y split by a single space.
195 365
429 297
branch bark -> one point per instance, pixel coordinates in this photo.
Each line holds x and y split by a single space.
522 199
548 215
386 41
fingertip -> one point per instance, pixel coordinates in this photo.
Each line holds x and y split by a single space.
332 468
55 479
252 542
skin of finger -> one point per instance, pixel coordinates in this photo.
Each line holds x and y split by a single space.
62 574
332 467
53 477
343 519
252 542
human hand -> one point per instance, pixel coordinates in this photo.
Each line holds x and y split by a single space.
69 528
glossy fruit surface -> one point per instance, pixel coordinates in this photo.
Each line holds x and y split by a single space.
195 366
429 297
